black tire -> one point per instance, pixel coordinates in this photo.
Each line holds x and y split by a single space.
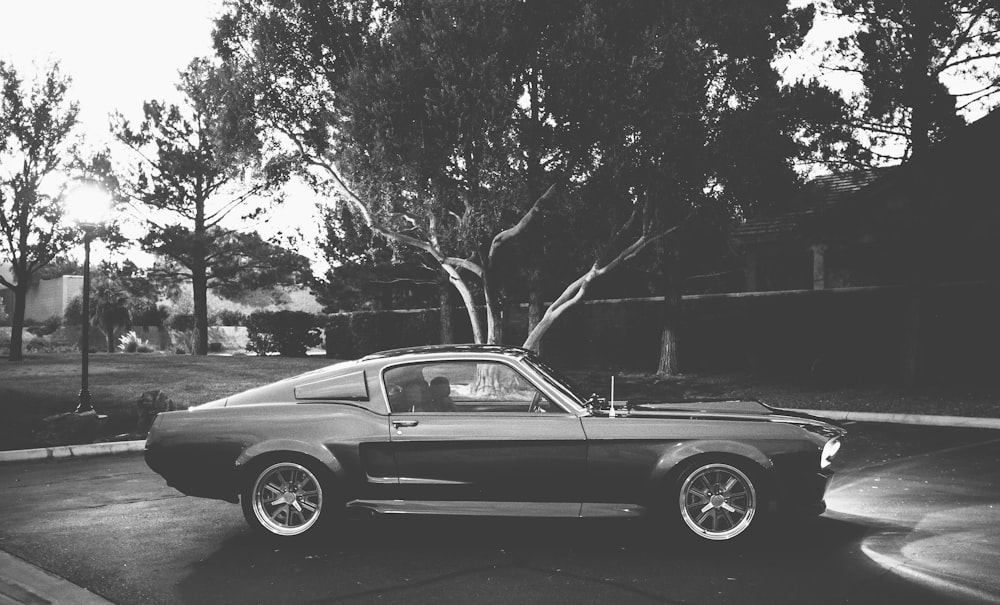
289 499
718 501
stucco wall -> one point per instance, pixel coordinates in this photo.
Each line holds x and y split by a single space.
50 297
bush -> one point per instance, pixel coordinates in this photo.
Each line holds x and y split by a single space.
215 347
339 344
365 332
152 316
131 343
182 322
288 333
228 317
43 328
183 341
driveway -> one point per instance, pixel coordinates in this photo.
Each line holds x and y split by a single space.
914 515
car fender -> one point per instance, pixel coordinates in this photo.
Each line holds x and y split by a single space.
674 459
271 446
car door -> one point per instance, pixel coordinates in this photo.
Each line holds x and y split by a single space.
479 431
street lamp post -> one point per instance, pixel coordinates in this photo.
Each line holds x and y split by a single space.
86 404
89 206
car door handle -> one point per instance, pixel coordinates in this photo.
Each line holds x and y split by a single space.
402 423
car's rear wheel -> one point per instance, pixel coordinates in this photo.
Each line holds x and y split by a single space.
718 501
286 499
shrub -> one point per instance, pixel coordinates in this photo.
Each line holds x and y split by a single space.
73 314
182 322
365 332
339 344
288 333
131 343
215 347
43 328
184 341
229 317
152 316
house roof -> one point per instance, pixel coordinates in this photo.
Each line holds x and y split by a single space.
970 148
817 197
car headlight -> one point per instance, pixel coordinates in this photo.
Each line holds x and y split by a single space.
829 451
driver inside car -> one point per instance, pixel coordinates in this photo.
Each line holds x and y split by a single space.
441 395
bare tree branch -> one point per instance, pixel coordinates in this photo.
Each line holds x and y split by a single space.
508 234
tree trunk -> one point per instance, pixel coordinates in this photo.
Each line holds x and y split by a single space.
199 285
17 321
669 252
536 302
468 300
494 317
109 333
447 331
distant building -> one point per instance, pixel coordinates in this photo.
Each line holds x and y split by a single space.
46 298
865 228
891 271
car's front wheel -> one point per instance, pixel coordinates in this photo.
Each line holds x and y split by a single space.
718 501
286 499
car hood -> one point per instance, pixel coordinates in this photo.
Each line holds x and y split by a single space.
743 410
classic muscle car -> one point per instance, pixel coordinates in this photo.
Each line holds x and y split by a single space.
487 430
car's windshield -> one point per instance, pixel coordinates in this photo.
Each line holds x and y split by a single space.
558 380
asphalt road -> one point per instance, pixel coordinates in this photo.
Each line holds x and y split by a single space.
914 517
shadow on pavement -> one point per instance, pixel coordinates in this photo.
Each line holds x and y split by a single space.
456 560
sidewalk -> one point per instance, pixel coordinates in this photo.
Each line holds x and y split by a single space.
23 583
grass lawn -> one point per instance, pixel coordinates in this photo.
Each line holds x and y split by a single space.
46 384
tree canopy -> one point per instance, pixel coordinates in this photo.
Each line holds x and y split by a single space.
921 65
36 124
452 127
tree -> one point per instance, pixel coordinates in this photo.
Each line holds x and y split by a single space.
454 127
367 271
922 64
413 115
35 126
193 169
119 294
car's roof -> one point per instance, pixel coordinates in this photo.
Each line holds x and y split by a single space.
450 348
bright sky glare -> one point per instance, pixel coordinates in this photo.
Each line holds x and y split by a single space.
121 53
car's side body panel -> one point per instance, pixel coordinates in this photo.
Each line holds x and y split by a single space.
490 457
203 452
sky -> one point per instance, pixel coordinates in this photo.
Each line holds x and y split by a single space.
121 53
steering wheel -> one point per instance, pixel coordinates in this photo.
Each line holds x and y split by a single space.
536 404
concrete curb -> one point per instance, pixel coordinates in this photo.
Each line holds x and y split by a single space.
920 419
73 451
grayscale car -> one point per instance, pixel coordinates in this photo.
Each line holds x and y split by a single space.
488 430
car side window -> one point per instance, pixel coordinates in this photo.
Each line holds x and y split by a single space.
463 386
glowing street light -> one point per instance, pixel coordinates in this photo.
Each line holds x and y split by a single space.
89 206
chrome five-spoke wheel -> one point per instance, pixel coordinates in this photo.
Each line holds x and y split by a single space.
287 499
717 501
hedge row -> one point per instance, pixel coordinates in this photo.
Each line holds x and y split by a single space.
351 335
